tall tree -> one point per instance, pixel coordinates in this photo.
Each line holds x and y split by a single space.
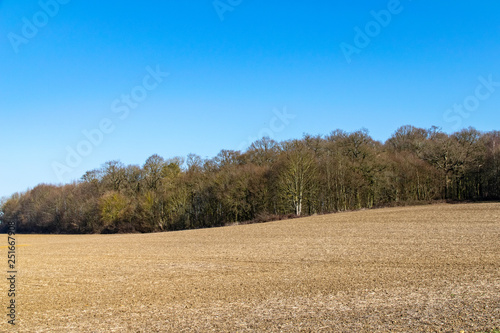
297 171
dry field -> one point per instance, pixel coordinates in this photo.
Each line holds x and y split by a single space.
427 268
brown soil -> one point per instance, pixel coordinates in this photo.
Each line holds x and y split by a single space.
428 268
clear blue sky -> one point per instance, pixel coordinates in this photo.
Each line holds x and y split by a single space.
228 78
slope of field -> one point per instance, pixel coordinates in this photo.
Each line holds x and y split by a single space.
428 268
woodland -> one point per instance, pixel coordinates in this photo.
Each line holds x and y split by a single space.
269 181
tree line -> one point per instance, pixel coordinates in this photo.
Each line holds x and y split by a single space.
270 180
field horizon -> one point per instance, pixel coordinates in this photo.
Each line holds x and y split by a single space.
420 268
250 166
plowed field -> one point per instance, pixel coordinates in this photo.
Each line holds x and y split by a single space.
426 268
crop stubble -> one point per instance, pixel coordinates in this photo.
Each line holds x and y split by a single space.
426 268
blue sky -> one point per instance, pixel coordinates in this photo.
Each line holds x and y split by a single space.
230 80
